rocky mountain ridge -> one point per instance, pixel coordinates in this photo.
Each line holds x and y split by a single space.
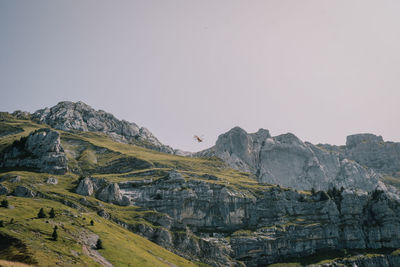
372 151
79 116
290 162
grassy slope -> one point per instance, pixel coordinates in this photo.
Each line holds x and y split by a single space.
122 248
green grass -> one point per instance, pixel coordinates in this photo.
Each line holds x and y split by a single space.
122 248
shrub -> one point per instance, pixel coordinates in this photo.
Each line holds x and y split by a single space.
41 214
54 235
52 214
91 222
99 244
1 223
4 203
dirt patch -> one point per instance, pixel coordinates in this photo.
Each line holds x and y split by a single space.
89 248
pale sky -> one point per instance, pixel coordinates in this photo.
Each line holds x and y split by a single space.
319 69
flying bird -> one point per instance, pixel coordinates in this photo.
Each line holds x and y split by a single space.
199 139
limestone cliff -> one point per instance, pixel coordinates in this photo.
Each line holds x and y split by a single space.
40 150
290 162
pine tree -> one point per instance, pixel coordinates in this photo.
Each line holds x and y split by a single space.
52 214
4 203
54 235
41 214
1 223
91 222
99 244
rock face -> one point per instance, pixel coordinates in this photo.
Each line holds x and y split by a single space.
274 224
287 161
103 190
69 116
41 150
371 151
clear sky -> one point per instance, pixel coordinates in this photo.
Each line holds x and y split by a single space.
319 69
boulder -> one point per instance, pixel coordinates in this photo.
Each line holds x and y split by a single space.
112 194
4 190
15 179
85 187
22 191
52 180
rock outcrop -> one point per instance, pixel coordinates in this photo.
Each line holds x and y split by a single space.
51 180
22 191
103 190
40 150
287 161
371 151
79 116
266 226
4 190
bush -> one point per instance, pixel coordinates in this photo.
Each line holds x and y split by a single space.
4 203
99 244
91 222
1 223
12 221
52 214
41 214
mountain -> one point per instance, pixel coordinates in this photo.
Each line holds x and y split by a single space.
69 116
152 208
290 162
371 151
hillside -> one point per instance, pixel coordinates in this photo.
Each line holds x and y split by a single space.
158 209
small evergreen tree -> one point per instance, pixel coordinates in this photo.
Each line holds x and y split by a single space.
91 222
54 235
12 221
4 203
99 244
41 214
52 214
1 223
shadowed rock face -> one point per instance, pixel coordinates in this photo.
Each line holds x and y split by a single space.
69 116
287 161
41 150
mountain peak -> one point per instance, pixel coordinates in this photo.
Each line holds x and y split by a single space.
68 115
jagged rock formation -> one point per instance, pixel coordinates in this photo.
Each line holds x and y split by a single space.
371 151
287 161
79 116
103 190
41 150
279 224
